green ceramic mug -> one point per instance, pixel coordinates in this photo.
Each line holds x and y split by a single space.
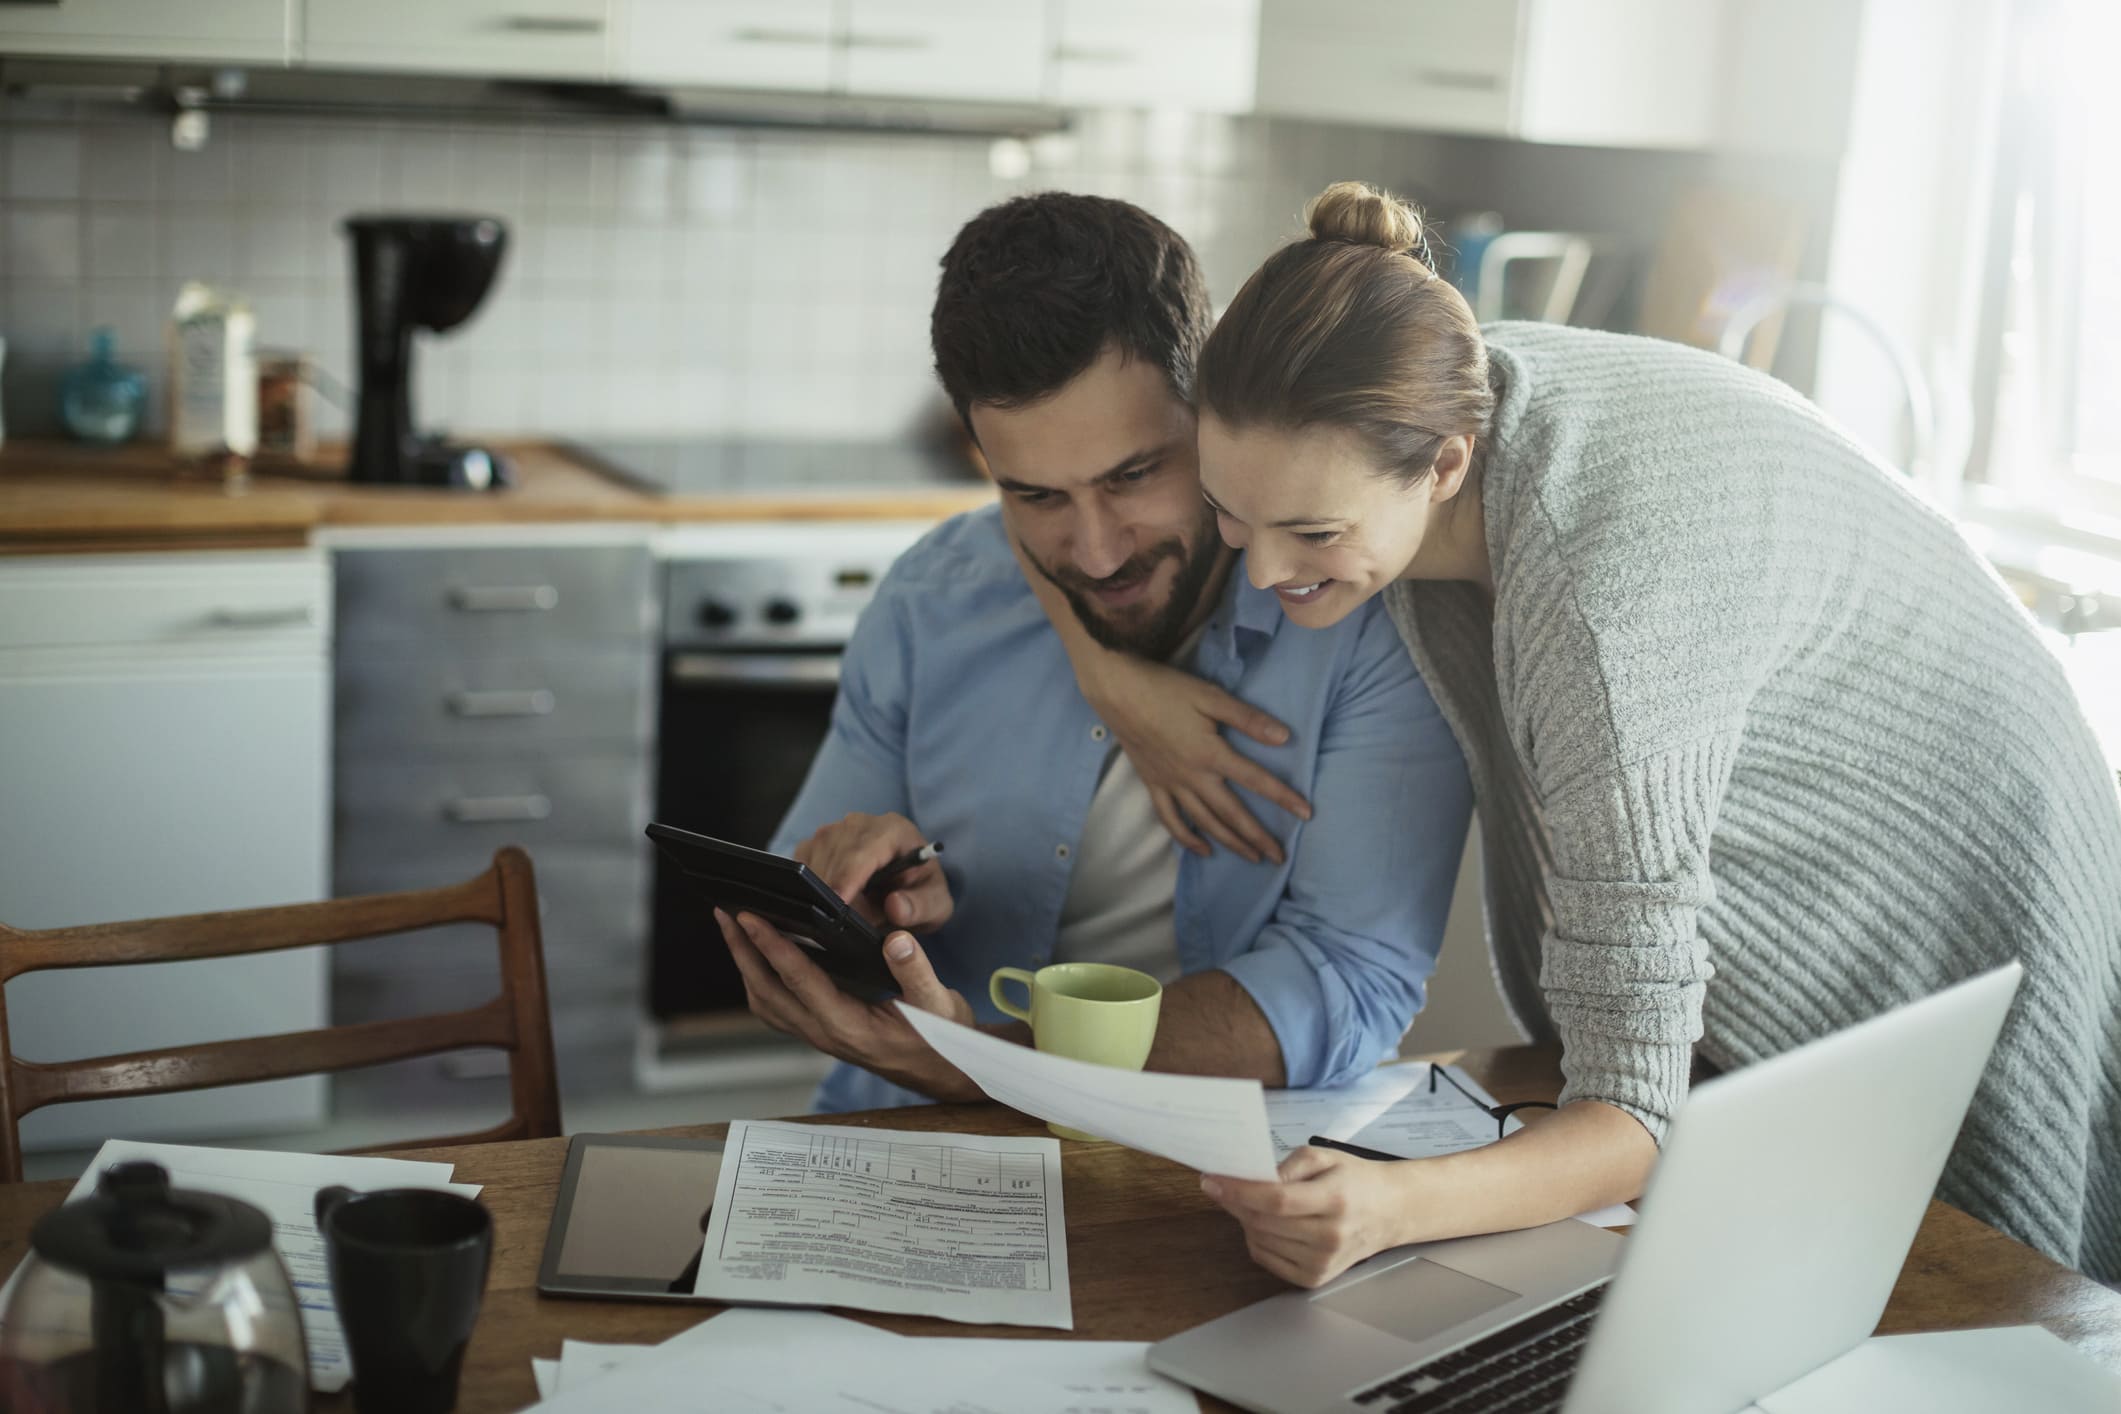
1087 1011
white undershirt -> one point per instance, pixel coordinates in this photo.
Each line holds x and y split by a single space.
1118 908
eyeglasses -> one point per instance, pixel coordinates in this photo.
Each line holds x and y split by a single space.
1499 1113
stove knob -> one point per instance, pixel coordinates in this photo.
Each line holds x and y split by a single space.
783 611
714 613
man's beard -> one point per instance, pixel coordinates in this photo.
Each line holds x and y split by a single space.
1157 634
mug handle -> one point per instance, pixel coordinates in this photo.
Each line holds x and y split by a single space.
328 1199
1011 974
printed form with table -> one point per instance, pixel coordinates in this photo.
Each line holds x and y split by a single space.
964 1227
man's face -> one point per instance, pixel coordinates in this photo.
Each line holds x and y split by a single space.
1101 486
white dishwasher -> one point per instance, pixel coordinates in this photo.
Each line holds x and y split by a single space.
165 749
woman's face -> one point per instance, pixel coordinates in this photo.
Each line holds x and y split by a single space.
1319 524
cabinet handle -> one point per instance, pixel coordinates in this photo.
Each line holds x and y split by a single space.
807 38
535 702
1082 54
1459 78
497 809
890 41
504 598
553 24
295 616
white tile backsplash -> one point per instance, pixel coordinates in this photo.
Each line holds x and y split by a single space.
658 279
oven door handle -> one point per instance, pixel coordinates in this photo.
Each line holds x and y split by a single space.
820 669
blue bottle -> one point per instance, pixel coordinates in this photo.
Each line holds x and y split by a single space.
101 400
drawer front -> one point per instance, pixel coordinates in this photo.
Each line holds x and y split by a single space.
514 599
399 706
435 823
240 601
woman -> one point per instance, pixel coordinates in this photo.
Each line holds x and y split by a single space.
1759 747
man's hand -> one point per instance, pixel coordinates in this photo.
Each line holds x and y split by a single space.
792 994
846 854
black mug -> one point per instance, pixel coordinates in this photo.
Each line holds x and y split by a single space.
408 1268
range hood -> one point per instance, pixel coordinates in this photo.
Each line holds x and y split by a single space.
172 88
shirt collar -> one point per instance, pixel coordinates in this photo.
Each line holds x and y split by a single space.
1247 618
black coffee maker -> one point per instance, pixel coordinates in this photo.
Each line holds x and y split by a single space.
416 272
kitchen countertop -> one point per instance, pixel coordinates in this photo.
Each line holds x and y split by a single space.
60 496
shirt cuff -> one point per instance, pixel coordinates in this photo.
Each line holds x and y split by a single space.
1310 1013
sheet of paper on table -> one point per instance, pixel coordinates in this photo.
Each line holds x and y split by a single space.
1393 1111
969 1227
1211 1124
797 1362
1954 1372
285 1187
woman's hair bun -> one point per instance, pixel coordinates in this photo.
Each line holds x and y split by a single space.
1361 214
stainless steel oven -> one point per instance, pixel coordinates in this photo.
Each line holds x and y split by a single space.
755 618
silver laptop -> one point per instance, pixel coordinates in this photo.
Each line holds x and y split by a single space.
1774 1228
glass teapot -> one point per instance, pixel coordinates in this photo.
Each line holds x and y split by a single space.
147 1299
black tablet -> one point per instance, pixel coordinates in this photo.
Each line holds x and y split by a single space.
786 894
631 1217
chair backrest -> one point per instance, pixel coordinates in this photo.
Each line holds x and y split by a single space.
515 1021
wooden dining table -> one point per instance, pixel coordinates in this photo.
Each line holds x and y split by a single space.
1148 1254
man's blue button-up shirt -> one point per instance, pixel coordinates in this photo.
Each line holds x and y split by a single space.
958 709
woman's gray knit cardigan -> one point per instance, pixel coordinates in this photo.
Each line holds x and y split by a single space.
1760 748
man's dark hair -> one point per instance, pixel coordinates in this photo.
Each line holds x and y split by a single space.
1034 289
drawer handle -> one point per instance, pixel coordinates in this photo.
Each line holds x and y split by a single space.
1085 54
553 24
1459 78
809 39
497 809
890 41
295 616
504 598
535 702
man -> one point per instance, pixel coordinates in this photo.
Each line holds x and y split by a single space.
1065 330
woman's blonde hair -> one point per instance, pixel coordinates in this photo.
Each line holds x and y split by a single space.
1352 328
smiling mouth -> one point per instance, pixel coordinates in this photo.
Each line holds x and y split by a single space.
1301 594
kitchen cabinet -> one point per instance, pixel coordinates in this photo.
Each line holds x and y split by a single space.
1620 73
249 30
255 31
786 45
490 691
558 39
165 751
962 49
1200 55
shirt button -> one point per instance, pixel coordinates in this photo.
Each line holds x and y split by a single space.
1060 851
1097 733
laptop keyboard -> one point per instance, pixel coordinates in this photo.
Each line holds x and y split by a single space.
1523 1368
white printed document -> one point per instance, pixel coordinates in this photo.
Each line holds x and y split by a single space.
1954 1372
789 1362
968 1227
1212 1124
1393 1110
283 1186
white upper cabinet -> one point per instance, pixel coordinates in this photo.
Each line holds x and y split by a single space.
1201 55
1621 73
787 45
254 31
557 39
992 50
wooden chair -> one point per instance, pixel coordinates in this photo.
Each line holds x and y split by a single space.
515 1021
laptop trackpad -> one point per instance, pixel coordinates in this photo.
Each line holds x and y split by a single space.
1416 1300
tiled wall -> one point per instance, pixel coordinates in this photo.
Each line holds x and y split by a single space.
658 279
661 279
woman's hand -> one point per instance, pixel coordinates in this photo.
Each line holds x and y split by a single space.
1329 1211
1169 724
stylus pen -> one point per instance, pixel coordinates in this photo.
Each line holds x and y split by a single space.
1319 1141
880 882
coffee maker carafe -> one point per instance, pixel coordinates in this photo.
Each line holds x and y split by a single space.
147 1299
412 273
